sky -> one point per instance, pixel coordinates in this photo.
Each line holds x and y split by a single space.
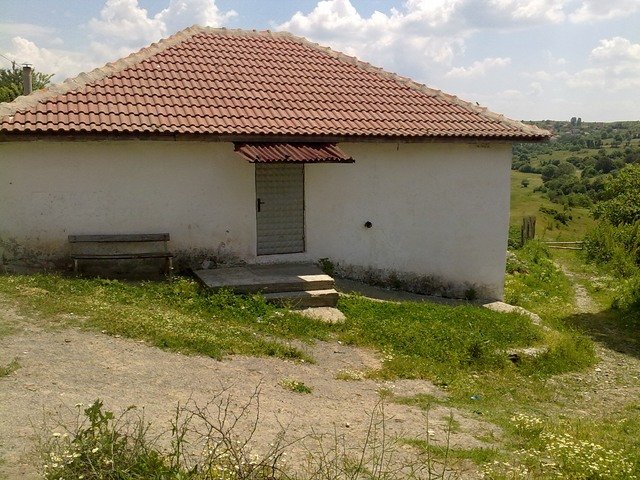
526 59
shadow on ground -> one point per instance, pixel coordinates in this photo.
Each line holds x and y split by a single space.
615 329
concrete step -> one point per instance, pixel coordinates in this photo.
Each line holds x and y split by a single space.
267 278
306 298
308 283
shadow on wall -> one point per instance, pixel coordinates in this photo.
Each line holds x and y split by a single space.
407 281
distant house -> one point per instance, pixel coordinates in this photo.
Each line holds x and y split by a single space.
263 147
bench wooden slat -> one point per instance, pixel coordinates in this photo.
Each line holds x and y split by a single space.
121 256
83 242
142 237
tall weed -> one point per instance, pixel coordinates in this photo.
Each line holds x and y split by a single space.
536 283
617 250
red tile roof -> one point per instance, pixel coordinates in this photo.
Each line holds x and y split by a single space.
293 152
235 83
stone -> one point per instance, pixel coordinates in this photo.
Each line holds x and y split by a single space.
507 308
324 314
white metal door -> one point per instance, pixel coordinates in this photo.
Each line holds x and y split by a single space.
280 208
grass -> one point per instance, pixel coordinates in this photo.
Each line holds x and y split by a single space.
422 340
580 449
295 386
536 283
419 340
178 316
477 455
11 367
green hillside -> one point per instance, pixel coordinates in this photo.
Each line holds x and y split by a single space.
559 181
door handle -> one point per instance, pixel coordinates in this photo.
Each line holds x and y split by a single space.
259 204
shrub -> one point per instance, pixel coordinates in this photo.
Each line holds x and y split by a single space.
103 447
621 198
617 247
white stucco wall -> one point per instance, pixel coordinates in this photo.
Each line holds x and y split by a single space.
437 209
201 193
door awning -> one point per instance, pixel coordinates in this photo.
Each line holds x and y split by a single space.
292 153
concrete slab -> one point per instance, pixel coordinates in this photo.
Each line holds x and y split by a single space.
267 278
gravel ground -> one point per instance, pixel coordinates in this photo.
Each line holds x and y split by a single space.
59 368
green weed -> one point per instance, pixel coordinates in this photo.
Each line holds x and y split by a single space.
295 386
565 450
11 367
536 283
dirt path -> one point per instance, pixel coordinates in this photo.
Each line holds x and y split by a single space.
61 368
583 301
615 381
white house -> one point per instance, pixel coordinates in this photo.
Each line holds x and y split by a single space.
262 147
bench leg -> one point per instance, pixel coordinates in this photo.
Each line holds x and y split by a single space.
75 265
169 267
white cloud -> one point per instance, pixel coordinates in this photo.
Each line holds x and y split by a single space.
126 22
63 63
586 78
530 11
616 50
423 36
618 61
535 89
123 26
598 10
614 66
414 38
184 13
25 29
553 60
478 68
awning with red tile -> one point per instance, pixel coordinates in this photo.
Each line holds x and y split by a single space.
292 153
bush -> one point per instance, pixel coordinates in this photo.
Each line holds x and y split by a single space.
617 247
621 198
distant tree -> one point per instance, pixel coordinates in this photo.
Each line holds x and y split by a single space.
604 163
11 82
548 172
565 168
621 197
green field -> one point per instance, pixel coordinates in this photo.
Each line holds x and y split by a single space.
524 201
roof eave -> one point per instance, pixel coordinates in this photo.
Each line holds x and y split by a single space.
214 137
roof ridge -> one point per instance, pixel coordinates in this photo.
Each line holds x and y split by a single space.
83 78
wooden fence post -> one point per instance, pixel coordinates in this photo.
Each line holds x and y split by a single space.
528 229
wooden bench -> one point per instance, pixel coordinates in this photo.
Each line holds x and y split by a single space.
112 248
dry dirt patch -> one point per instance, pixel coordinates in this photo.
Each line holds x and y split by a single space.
61 368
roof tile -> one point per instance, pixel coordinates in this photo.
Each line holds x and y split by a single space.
241 83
